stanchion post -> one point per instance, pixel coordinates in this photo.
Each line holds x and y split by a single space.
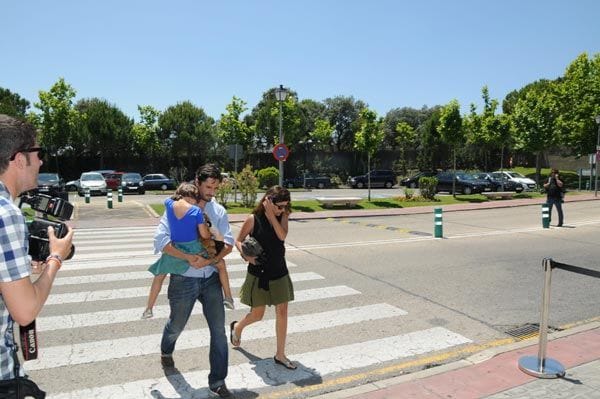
545 215
438 224
87 195
120 194
541 366
109 199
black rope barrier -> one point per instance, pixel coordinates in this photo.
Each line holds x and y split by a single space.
574 269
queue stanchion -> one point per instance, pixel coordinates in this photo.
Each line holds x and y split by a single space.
109 199
87 195
120 194
545 216
438 223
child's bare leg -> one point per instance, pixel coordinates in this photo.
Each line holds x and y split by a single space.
154 291
224 278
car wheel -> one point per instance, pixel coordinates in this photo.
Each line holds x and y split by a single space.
141 192
360 185
320 185
467 190
388 184
163 187
413 185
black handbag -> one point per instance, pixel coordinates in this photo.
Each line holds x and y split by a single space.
20 387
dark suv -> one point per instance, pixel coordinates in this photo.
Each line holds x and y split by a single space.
465 183
132 182
379 178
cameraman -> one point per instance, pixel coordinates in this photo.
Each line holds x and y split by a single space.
20 299
554 191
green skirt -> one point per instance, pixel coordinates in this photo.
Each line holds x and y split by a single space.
168 264
280 291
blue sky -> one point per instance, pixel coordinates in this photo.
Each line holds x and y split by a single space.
387 53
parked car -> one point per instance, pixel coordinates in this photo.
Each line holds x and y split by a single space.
312 180
133 182
50 184
379 178
498 183
92 181
158 181
104 172
527 183
413 181
113 180
72 185
465 183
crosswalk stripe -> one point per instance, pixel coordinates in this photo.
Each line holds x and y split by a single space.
98 351
137 275
126 254
264 373
52 323
105 295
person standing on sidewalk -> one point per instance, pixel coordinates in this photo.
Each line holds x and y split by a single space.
20 299
199 283
554 195
268 279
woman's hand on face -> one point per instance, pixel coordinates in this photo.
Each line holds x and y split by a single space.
269 207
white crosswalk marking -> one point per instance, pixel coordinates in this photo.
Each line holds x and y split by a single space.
93 323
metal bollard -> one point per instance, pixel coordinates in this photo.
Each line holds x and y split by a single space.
438 227
120 194
541 366
87 195
545 216
109 199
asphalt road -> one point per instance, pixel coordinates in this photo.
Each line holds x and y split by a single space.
366 286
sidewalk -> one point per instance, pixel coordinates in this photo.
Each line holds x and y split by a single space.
495 373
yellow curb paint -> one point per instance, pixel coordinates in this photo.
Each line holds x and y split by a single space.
390 369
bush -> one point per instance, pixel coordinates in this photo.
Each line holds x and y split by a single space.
268 177
409 193
224 191
427 186
248 186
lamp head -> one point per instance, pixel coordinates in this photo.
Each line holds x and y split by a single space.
281 93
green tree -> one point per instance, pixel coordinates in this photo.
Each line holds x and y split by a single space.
405 138
321 134
232 130
343 115
369 138
12 104
451 131
145 134
189 132
57 118
104 128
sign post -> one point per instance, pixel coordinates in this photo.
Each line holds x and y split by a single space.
281 153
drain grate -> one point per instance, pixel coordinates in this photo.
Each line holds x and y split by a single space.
529 330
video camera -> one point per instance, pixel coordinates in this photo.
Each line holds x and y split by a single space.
55 207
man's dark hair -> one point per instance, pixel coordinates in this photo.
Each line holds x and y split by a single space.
208 171
15 135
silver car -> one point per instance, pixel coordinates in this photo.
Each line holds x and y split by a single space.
92 181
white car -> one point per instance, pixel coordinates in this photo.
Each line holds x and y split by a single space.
527 183
92 181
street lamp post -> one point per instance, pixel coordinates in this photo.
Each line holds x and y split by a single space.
281 94
597 160
306 143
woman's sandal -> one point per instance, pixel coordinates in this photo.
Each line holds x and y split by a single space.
233 338
287 363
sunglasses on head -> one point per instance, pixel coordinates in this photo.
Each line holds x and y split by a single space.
39 150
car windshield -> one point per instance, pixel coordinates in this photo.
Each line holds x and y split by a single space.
47 178
132 176
464 176
91 176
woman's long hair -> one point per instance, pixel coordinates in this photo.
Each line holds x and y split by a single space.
277 194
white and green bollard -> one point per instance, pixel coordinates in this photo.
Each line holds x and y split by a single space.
120 194
109 199
545 216
438 228
87 195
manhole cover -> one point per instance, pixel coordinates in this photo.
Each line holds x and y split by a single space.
528 330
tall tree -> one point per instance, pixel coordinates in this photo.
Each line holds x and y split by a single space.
145 134
57 118
450 128
405 138
369 138
105 128
190 132
12 104
343 114
232 130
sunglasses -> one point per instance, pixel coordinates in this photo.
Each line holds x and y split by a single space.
40 152
281 207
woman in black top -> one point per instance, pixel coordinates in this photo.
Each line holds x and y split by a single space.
267 280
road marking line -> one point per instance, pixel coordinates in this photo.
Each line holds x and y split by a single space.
120 293
264 373
78 320
97 351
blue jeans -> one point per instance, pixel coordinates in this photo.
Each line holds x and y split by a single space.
183 293
558 203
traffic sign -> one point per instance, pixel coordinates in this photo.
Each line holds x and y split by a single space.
598 155
281 152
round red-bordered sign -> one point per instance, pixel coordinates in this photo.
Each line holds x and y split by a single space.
281 152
